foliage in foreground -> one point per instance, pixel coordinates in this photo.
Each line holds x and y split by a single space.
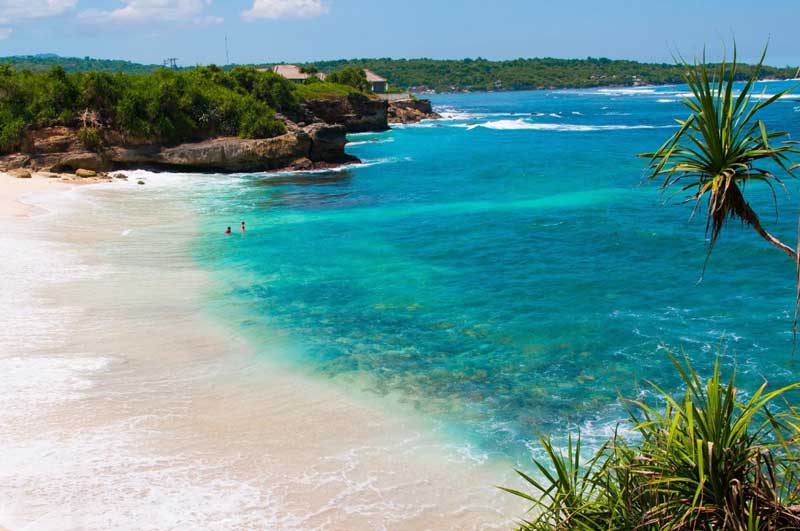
712 459
722 146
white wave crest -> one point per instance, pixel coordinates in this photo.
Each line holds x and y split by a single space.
512 125
375 141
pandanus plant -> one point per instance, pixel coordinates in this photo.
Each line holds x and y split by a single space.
722 146
713 459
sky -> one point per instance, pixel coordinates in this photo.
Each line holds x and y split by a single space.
264 31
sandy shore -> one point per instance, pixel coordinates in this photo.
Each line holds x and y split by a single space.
124 407
13 192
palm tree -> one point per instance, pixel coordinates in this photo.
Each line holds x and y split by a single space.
721 147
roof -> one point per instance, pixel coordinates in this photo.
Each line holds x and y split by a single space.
289 71
293 72
372 77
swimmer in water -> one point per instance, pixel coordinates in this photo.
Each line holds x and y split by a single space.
243 229
228 230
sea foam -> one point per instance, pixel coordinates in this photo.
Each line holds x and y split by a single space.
514 125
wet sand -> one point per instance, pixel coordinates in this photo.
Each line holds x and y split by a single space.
125 407
13 193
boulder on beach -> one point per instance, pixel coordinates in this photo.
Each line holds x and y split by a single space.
84 173
20 173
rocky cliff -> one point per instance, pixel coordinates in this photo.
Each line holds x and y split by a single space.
411 111
319 145
59 149
356 112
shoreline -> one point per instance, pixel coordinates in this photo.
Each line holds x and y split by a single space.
14 191
186 424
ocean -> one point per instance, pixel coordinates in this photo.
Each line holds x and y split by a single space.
506 270
386 341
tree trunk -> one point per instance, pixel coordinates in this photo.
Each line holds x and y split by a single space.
747 215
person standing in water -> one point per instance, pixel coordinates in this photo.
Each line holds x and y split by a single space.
243 229
228 230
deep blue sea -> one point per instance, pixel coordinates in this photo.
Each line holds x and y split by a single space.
504 271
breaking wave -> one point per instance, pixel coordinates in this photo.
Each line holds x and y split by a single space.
514 125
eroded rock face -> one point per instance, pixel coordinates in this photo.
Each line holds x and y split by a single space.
220 154
54 140
327 143
411 111
356 112
317 145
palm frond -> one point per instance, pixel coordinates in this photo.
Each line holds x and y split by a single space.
720 147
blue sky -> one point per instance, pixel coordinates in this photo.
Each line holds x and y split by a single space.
300 30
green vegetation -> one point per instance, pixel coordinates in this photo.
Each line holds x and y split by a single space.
722 146
91 138
163 106
482 74
317 90
710 460
353 77
453 75
40 63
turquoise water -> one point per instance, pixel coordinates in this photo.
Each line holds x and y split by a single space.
504 271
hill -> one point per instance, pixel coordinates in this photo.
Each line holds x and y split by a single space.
41 62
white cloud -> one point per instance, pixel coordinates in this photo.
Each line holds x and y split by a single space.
154 11
285 9
5 33
16 10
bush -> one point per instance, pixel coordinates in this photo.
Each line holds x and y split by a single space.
12 133
707 461
258 121
90 137
163 106
353 77
324 90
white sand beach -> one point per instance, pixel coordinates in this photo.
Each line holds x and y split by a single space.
125 407
13 192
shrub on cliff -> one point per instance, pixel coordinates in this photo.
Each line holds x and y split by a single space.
324 90
715 458
90 137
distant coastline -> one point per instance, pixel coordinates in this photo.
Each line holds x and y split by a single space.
436 76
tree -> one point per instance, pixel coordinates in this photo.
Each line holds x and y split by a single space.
721 147
354 77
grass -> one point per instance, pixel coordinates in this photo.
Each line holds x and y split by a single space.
324 90
709 460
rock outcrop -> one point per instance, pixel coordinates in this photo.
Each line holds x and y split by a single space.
356 112
411 111
20 173
58 149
